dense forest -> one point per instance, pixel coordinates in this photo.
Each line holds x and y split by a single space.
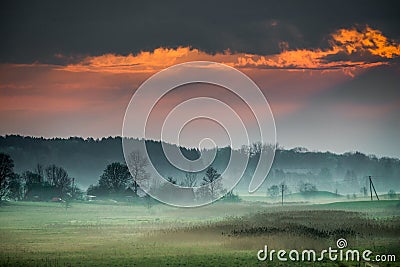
86 159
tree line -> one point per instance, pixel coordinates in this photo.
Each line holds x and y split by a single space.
118 180
85 158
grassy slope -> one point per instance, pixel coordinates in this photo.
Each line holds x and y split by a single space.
223 234
312 197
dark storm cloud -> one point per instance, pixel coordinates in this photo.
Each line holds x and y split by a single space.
41 31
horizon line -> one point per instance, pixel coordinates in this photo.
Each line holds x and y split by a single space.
277 146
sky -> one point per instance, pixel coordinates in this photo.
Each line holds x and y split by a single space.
329 70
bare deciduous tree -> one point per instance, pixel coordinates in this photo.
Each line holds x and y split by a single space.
190 179
51 174
58 177
137 166
39 170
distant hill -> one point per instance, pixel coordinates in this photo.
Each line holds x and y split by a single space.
314 196
85 159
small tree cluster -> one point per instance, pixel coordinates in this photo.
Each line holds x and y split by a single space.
40 184
306 187
211 186
117 178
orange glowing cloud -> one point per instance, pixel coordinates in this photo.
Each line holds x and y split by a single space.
296 59
145 61
369 39
343 42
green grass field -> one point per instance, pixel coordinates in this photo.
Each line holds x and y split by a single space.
222 234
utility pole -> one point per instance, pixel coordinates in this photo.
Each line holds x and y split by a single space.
282 186
371 186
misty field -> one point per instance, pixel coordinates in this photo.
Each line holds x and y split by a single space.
222 234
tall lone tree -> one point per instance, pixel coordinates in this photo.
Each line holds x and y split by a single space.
214 184
137 166
6 173
39 170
